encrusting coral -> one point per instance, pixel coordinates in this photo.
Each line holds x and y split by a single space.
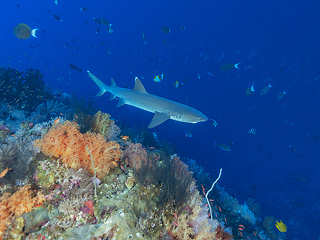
15 205
89 151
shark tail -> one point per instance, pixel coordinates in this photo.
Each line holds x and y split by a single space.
103 87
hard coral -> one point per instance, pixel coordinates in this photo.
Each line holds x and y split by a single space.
89 151
15 205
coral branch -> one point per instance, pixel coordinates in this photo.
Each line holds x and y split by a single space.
214 183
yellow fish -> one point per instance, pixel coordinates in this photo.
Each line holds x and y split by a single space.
157 79
281 226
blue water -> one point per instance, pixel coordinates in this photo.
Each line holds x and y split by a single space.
275 42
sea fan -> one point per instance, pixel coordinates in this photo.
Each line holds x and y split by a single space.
17 154
135 156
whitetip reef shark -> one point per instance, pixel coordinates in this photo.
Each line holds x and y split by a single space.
138 97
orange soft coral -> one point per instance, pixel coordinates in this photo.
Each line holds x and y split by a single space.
89 151
17 204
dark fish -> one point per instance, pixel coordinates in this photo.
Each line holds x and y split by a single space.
74 67
56 17
292 148
283 68
166 29
224 147
227 67
182 28
101 21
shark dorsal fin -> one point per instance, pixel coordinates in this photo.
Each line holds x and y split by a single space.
138 86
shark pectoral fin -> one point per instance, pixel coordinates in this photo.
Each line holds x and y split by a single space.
138 86
121 102
158 118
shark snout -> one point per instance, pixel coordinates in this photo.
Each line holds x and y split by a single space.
202 118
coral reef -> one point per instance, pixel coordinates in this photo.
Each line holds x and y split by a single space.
104 125
13 206
198 173
221 234
178 199
24 90
80 184
240 219
135 156
169 173
50 109
4 132
17 154
156 167
89 151
192 222
100 123
269 227
232 205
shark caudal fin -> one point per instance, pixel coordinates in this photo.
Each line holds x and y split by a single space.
103 87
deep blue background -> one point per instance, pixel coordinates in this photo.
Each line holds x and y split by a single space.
275 41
